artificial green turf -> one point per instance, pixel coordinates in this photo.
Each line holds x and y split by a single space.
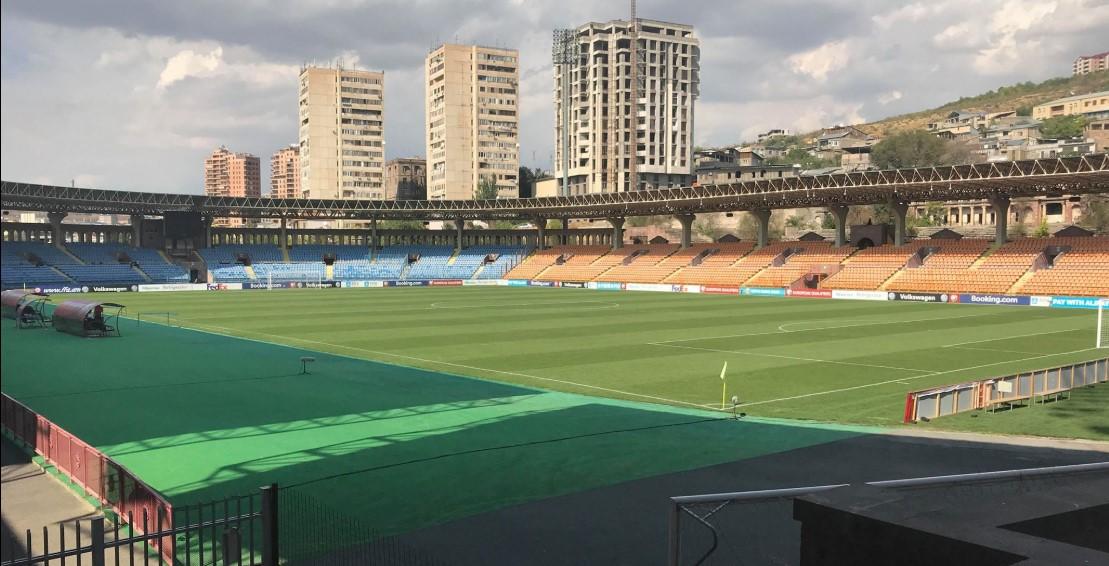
201 416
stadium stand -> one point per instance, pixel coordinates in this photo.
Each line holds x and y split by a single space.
151 263
731 266
588 265
228 263
798 261
941 263
870 268
1079 267
497 261
1036 266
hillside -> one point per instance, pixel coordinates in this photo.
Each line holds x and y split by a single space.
1004 98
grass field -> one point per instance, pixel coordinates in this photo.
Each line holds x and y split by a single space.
829 361
431 404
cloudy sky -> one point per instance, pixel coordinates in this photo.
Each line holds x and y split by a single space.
133 94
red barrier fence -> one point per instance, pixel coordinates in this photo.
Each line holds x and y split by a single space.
100 476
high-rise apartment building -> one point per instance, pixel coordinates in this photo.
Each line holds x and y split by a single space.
1087 64
607 131
230 174
285 173
472 120
342 146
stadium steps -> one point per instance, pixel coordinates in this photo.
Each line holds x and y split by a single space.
249 269
480 268
885 284
1020 282
142 274
404 271
982 258
285 255
329 272
71 255
454 257
60 274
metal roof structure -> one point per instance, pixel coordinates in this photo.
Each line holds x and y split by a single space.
1065 175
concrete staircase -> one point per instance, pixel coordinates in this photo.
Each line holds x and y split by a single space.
1020 282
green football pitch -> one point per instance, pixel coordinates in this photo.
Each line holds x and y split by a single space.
829 361
427 404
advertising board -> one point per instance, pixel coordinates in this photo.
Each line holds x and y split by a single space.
859 295
810 293
762 292
976 299
1076 302
716 290
918 297
157 287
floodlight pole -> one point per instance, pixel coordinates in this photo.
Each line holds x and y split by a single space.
564 53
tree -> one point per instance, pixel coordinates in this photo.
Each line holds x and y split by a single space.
1063 127
806 160
527 178
1042 231
914 148
486 188
401 225
642 221
1095 213
708 227
1025 110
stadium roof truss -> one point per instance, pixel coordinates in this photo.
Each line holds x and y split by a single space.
1063 175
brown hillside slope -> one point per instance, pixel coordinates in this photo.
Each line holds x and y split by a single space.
1004 98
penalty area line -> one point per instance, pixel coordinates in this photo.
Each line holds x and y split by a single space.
231 333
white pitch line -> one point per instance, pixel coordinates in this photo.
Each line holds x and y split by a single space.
780 331
604 305
901 379
783 356
784 328
230 332
990 350
1008 337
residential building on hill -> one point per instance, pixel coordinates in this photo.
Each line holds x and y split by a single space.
1087 64
1093 106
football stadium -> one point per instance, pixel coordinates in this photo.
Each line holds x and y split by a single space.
562 395
813 283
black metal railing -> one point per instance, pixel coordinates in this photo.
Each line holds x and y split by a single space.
239 531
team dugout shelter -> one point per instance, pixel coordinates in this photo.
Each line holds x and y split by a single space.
27 307
88 318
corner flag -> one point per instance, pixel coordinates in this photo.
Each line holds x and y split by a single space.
723 386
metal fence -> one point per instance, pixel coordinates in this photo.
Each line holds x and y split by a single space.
113 485
147 529
239 531
758 527
986 393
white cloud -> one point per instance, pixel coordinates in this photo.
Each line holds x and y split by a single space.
888 97
819 62
188 63
163 83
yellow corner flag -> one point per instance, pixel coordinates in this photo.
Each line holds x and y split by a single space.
723 386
